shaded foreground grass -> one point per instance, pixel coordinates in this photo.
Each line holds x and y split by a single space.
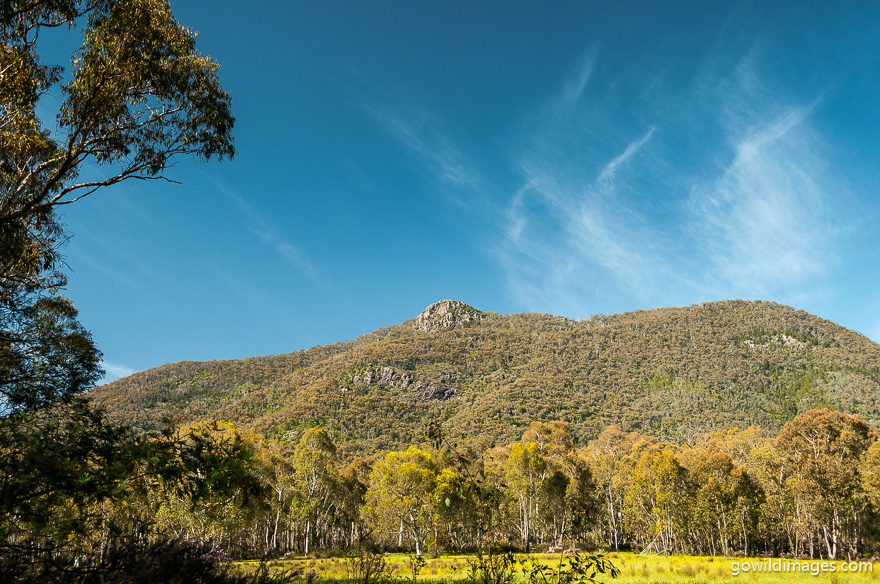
634 569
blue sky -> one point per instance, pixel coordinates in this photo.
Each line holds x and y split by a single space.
572 158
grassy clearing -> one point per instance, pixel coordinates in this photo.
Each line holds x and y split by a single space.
634 569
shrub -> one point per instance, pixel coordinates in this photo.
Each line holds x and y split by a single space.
368 568
131 561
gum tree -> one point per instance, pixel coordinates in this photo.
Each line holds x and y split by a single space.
824 449
402 497
135 97
526 471
315 479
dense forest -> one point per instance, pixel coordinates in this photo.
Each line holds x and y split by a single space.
703 429
672 373
811 491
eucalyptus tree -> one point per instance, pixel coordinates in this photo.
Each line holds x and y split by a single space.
612 457
870 474
824 449
526 471
315 479
276 473
658 501
714 522
778 510
135 96
402 496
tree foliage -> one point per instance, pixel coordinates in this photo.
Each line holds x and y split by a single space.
136 96
402 497
725 493
673 373
823 449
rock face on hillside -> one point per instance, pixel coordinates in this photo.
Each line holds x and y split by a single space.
447 314
441 389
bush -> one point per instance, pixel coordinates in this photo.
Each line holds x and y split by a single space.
129 561
368 568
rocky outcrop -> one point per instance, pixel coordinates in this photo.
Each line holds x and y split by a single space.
439 389
447 314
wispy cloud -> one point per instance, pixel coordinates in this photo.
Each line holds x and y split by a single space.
568 237
762 219
634 193
260 225
415 129
115 371
766 221
574 233
609 212
607 174
573 87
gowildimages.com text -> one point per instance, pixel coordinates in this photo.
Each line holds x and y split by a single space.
814 567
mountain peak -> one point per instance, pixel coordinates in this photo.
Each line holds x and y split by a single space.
673 373
447 314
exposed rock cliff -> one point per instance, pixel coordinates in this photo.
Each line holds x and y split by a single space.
447 314
441 388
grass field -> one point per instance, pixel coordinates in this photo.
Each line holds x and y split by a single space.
634 569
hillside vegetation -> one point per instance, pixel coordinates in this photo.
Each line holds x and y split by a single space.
674 373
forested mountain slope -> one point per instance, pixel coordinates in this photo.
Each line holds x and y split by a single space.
671 372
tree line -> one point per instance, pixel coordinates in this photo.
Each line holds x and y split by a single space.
811 491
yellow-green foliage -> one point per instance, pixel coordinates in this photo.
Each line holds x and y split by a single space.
670 372
635 569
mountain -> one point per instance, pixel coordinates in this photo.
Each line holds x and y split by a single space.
671 372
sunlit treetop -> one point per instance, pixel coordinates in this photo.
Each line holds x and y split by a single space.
137 95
